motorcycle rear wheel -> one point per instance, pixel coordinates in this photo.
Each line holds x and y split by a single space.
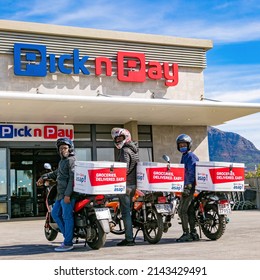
99 236
215 224
50 233
153 228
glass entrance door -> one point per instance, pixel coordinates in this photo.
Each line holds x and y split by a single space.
26 166
22 191
3 185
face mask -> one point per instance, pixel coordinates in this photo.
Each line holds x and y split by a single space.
183 150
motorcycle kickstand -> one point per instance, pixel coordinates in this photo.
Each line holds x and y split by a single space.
137 233
200 231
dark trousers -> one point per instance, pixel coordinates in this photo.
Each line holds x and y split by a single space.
126 209
186 213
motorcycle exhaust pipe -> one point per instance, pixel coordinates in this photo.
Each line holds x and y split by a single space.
112 225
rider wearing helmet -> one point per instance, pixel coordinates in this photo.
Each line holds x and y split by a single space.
62 211
186 208
65 141
128 152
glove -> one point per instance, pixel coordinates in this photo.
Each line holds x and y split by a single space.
41 180
187 190
44 177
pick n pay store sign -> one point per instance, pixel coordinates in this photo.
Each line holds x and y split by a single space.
33 60
32 132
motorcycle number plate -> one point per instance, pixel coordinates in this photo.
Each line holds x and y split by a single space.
164 208
224 209
103 213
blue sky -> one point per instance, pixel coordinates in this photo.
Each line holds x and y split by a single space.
233 65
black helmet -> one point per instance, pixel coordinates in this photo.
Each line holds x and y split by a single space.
65 141
184 138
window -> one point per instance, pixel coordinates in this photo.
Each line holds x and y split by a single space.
103 131
83 154
145 154
94 142
145 143
145 133
3 182
105 154
3 173
82 132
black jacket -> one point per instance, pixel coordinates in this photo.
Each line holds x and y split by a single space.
64 175
129 154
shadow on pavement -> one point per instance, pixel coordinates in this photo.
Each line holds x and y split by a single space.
25 249
37 249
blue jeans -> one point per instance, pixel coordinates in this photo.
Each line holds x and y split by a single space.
62 214
126 208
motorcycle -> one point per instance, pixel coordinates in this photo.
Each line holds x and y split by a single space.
151 213
91 217
211 211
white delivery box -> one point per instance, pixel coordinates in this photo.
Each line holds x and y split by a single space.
100 177
220 176
154 176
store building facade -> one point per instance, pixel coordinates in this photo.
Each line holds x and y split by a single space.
65 81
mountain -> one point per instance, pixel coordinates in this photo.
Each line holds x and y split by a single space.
231 147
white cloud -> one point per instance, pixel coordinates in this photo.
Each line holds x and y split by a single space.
248 127
240 83
227 31
236 83
232 21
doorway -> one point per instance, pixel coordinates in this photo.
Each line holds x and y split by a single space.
26 166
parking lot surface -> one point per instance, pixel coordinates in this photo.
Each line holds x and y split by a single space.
25 240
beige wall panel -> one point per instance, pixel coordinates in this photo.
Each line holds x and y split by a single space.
164 141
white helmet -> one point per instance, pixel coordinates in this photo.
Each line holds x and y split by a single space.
117 132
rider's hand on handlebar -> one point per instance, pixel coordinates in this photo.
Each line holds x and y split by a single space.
40 182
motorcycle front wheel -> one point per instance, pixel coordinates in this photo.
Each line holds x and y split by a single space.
99 236
50 233
214 225
153 228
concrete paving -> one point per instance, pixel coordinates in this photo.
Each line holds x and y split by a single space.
25 240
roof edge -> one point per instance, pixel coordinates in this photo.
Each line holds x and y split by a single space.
50 29
110 99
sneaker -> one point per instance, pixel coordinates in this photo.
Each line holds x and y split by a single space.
74 241
195 236
125 243
186 237
64 248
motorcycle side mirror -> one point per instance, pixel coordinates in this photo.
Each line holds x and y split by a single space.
166 158
47 166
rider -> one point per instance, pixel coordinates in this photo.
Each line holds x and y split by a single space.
62 211
186 209
129 154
